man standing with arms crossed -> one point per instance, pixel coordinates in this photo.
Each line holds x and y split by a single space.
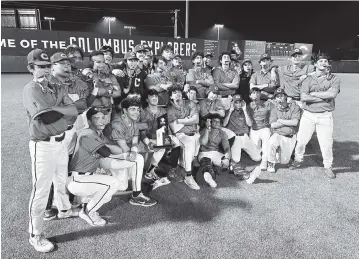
318 95
50 111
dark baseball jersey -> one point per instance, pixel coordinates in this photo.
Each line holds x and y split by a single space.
206 105
289 80
187 109
320 84
151 119
237 122
260 114
107 82
78 91
39 97
85 157
244 86
216 137
175 75
289 113
122 130
230 76
155 79
195 74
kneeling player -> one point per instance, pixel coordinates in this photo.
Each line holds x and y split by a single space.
284 119
210 139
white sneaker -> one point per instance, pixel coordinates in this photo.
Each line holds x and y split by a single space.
151 175
93 218
208 178
263 165
73 212
191 183
271 167
161 182
41 244
254 175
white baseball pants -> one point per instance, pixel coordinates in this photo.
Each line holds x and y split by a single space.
242 142
286 146
189 149
260 139
215 156
49 162
323 124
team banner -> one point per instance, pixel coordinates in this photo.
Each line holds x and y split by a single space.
19 42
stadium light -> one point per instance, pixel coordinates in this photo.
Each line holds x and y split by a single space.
109 19
49 19
130 28
218 26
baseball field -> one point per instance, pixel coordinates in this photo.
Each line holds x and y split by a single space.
289 214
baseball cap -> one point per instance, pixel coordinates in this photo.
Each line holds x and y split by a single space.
146 47
237 97
106 48
139 47
38 57
130 55
213 88
279 91
296 51
152 92
246 60
58 56
208 54
254 89
94 110
176 55
264 56
322 56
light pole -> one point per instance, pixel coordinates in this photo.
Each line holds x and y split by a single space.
109 19
130 28
218 26
49 19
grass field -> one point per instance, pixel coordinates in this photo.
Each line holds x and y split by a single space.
289 214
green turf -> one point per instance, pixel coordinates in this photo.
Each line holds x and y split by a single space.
290 214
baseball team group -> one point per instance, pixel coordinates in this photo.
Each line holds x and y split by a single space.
93 124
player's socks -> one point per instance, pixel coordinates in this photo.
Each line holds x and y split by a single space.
189 173
136 193
151 168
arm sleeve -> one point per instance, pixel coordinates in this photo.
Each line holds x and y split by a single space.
273 116
253 79
50 117
104 151
117 134
305 85
296 112
91 143
34 101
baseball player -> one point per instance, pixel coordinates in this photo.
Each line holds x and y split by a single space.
183 118
50 111
245 76
318 95
284 119
148 64
262 79
199 76
211 104
124 132
211 138
158 81
132 81
291 76
236 125
141 51
226 79
207 60
259 110
76 57
108 54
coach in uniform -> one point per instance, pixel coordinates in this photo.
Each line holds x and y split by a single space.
262 79
50 111
284 120
318 95
199 76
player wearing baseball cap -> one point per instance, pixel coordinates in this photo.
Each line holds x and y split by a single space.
291 76
211 138
199 76
245 77
158 81
132 81
284 119
50 111
207 60
183 118
124 132
148 60
226 79
76 57
236 125
210 104
141 51
318 95
262 79
260 133
150 116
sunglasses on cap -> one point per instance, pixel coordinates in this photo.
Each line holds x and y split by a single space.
103 110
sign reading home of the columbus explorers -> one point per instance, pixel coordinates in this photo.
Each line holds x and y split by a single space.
19 42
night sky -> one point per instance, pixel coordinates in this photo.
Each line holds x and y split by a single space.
328 25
